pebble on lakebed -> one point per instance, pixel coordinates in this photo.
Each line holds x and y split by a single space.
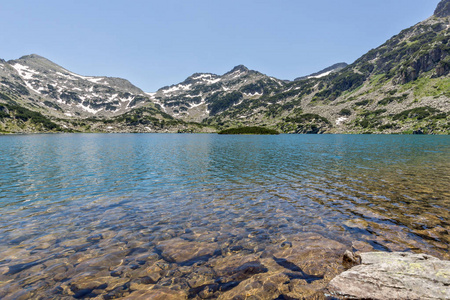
393 275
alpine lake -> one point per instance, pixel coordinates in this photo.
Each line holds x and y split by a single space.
206 216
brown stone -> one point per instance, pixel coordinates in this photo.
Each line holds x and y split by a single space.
311 257
261 286
182 251
351 259
161 293
201 277
230 265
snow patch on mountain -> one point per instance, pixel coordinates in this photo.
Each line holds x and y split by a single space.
322 74
192 96
129 99
89 109
236 104
176 88
25 72
252 94
236 74
129 103
88 78
193 105
341 120
202 76
212 81
112 97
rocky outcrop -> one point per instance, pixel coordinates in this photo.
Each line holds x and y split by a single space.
425 63
443 9
394 276
443 68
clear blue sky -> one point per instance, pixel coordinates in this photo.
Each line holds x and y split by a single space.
158 43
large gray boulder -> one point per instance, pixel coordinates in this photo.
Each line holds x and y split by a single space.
394 275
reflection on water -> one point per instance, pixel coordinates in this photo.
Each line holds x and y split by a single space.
207 216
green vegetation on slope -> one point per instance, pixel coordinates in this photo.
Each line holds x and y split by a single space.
248 130
20 115
346 80
305 123
220 102
427 119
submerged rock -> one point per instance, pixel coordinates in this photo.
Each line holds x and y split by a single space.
181 251
394 275
162 293
351 259
260 286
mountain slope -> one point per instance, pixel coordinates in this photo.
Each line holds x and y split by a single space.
74 94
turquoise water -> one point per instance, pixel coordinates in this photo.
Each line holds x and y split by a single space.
63 197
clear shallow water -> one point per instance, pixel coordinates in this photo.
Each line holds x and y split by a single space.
198 216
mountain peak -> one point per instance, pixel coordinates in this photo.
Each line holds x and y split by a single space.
197 76
32 56
443 9
35 58
36 61
241 68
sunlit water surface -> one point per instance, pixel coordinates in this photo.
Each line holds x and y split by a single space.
198 216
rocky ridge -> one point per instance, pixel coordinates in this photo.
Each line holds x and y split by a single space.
37 95
73 94
204 94
442 9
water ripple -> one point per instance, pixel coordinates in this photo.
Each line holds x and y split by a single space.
65 199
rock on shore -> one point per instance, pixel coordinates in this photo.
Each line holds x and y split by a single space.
394 275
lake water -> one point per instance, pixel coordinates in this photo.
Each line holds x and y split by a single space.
204 216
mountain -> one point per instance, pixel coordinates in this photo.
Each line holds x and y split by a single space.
75 94
324 72
203 95
403 86
38 95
